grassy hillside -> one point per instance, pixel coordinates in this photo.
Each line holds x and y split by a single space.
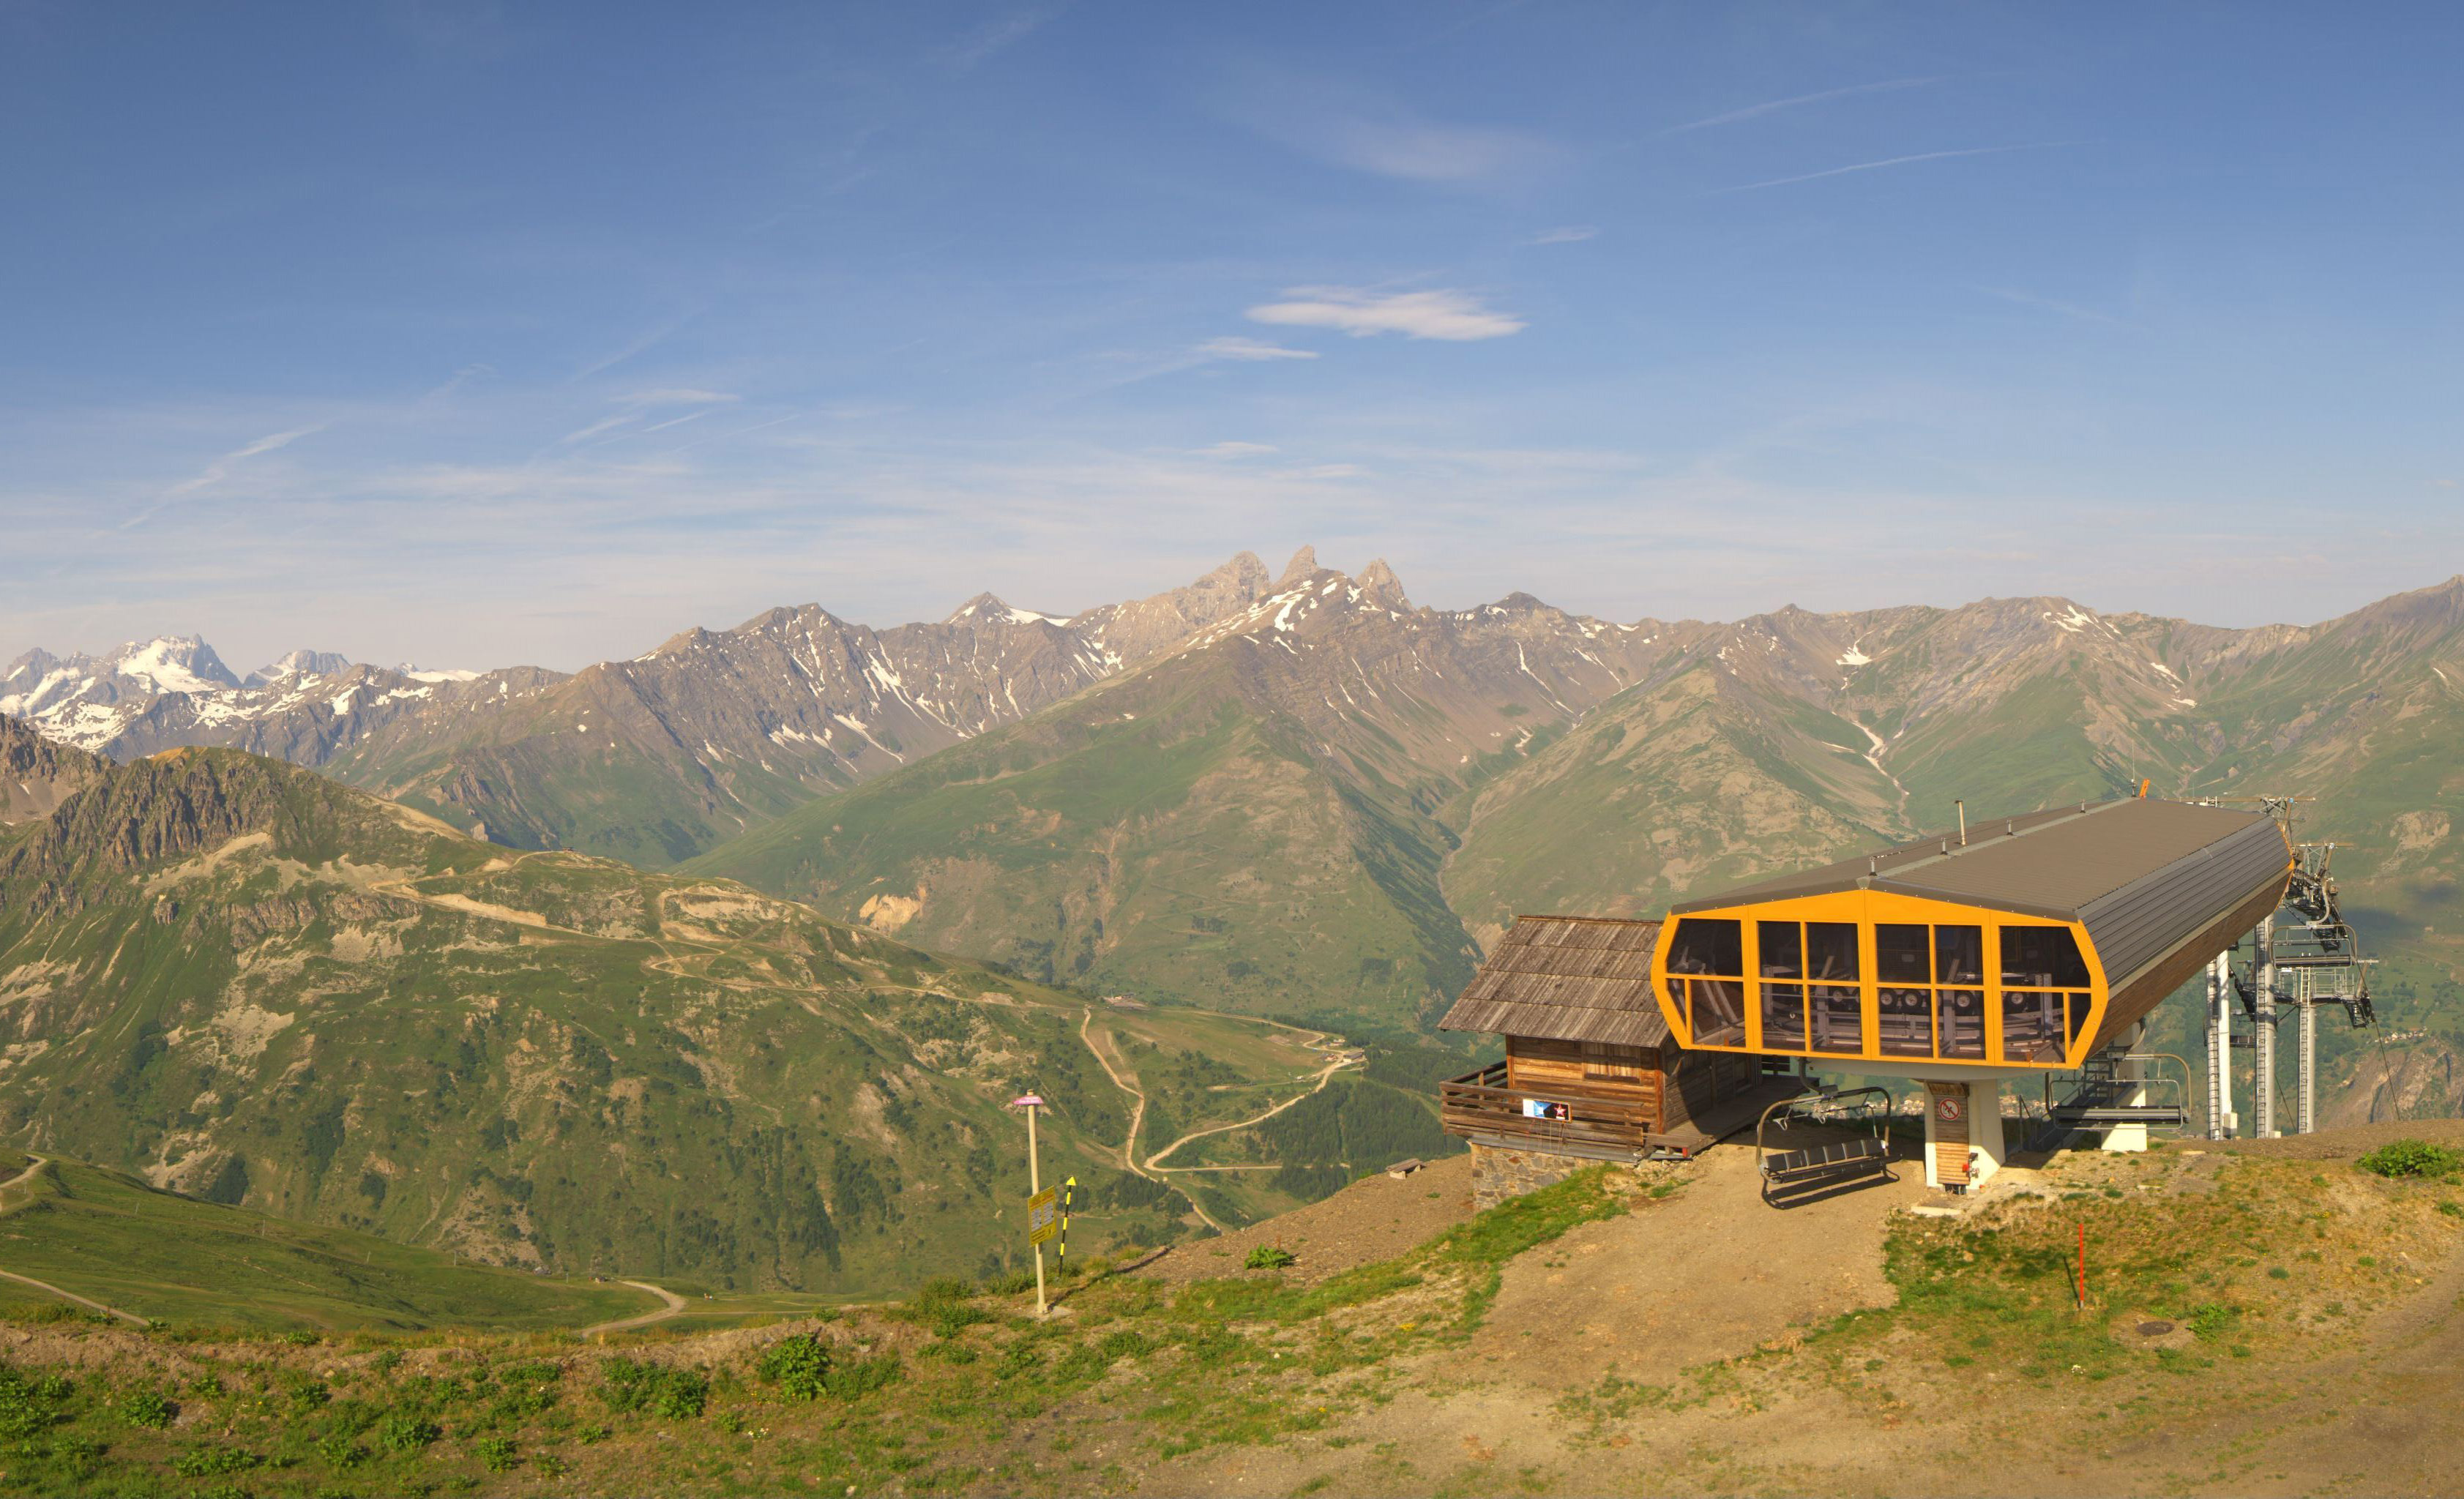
111 1238
2250 1322
1170 835
233 978
1682 784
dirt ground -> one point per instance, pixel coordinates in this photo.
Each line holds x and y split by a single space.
2343 1144
2380 1410
1372 1220
1708 1273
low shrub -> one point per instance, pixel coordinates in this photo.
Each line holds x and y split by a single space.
850 1381
213 1462
654 1389
149 1408
497 1454
1010 1283
29 1406
799 1366
407 1433
338 1451
1269 1257
2411 1158
946 1305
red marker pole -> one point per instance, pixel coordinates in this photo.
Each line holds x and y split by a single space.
2082 1266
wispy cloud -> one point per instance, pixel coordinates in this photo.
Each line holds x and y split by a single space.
997 36
456 380
1888 161
1238 449
603 425
1250 349
218 471
1774 106
1417 151
2052 304
1343 124
639 346
1565 234
678 421
1453 315
675 396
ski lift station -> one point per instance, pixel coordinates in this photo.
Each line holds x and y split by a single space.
1971 962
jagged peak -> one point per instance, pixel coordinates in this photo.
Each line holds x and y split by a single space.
1379 585
1302 564
1244 568
301 663
989 609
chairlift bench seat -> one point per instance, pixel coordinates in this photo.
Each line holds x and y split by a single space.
1841 1159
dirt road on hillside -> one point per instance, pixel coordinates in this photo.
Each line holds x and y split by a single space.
674 1304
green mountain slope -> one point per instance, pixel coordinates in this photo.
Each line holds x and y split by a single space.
1170 835
1686 783
111 1238
1257 820
239 979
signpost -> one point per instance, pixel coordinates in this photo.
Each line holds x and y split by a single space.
1041 1212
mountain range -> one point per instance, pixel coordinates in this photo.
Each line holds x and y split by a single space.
1303 795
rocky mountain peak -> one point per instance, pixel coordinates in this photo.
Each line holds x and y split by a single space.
1299 569
299 664
1379 585
37 774
986 608
173 664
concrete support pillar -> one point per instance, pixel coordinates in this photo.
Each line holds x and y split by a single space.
1977 1130
2262 1090
2220 1115
1986 1141
2132 1093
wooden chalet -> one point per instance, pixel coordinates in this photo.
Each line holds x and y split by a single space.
1592 1072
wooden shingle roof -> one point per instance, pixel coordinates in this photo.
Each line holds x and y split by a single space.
1566 978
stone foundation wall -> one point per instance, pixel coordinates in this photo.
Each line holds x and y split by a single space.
1498 1173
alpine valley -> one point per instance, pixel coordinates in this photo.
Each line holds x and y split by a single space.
635 966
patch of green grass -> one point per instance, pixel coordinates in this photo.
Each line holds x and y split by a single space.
164 1256
2411 1158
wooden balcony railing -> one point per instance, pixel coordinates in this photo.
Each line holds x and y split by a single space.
1602 1121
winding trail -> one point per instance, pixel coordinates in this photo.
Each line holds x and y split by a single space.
1325 1075
36 1163
1137 1110
674 1304
33 1163
1138 1119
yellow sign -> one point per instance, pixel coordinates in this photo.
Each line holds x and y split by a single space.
1042 1216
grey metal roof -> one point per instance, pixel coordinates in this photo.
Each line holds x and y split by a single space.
1566 978
2062 863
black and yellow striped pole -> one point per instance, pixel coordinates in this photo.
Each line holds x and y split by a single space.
1068 1190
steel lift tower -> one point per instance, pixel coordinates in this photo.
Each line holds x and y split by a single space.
2303 955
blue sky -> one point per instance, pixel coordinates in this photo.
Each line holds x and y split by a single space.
478 335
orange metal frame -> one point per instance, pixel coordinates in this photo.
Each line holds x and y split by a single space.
1868 909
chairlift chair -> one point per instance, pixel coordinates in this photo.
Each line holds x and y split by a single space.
1866 1111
